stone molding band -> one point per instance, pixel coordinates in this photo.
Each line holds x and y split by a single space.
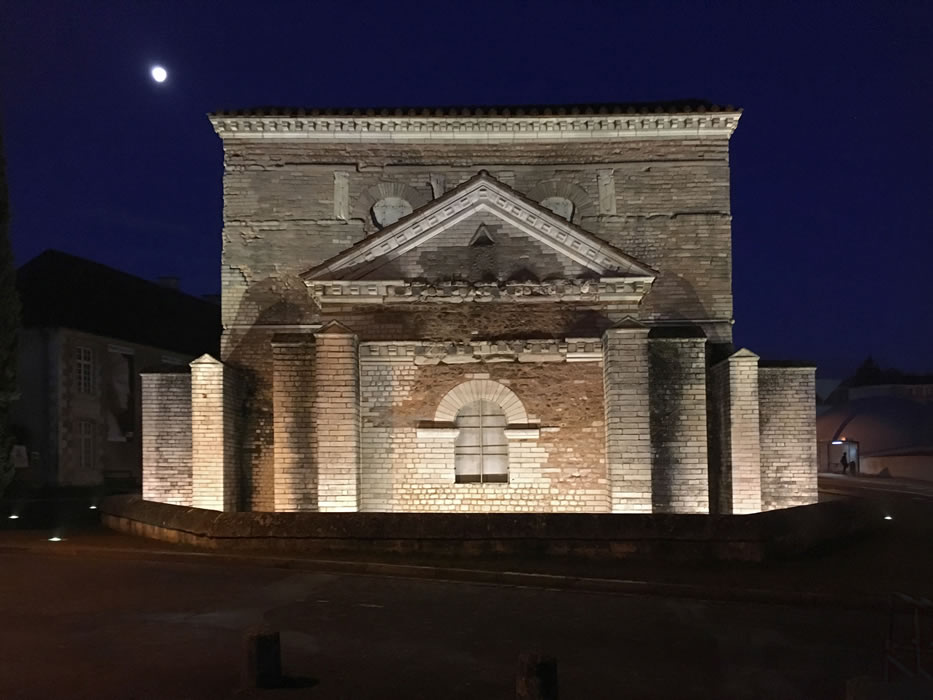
476 129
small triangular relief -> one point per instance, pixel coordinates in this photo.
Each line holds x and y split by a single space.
482 237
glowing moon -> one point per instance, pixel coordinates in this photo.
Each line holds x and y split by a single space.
159 74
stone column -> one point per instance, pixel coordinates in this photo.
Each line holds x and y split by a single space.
336 418
787 414
677 372
214 458
734 401
628 437
295 477
166 436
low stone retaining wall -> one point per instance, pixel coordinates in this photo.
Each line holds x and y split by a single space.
756 537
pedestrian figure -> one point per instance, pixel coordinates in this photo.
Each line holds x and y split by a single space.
845 462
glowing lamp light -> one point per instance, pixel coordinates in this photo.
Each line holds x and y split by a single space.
159 74
837 442
888 517
92 507
14 517
55 539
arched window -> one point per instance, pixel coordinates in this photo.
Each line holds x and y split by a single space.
388 210
481 452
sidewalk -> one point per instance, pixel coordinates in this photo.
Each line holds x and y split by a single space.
859 574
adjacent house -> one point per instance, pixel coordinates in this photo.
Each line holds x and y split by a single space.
88 329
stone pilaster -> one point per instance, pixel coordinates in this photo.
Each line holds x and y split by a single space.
628 442
735 430
787 414
295 477
214 457
336 418
166 437
677 372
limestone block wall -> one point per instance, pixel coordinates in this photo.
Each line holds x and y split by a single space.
296 483
787 412
557 466
664 201
679 475
166 437
735 446
215 406
335 419
626 409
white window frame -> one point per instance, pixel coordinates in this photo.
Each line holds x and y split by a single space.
84 370
481 428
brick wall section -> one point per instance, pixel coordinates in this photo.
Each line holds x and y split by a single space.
214 407
734 395
336 419
562 469
679 477
787 412
628 438
295 473
672 200
166 437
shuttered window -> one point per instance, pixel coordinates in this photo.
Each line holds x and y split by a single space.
481 453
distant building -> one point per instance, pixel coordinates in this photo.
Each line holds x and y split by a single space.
882 428
88 329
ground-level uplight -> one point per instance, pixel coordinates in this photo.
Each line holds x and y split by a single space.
55 539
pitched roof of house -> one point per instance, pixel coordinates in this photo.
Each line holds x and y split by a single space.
58 290
686 106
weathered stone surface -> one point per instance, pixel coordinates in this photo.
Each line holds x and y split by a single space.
374 268
792 531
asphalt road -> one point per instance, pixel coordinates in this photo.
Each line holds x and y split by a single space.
80 627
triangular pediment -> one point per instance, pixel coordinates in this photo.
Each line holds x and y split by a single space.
477 207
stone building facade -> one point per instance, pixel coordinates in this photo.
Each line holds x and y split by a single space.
476 310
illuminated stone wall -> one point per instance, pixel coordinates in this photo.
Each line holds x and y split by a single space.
338 387
787 409
556 461
735 434
677 381
166 437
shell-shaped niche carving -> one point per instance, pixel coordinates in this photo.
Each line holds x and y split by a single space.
561 206
388 210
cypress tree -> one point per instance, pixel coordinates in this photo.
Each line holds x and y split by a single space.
9 328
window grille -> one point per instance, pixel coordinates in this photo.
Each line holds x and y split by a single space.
481 452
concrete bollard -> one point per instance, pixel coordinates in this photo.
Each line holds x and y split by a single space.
263 658
537 677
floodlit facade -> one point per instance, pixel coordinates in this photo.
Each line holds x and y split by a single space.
480 310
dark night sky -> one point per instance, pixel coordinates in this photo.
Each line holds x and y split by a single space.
832 161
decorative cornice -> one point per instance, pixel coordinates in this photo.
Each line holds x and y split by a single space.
602 290
433 353
475 129
482 192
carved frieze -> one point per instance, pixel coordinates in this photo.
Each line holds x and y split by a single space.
606 289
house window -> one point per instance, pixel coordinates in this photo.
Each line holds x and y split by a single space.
481 452
86 444
84 369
